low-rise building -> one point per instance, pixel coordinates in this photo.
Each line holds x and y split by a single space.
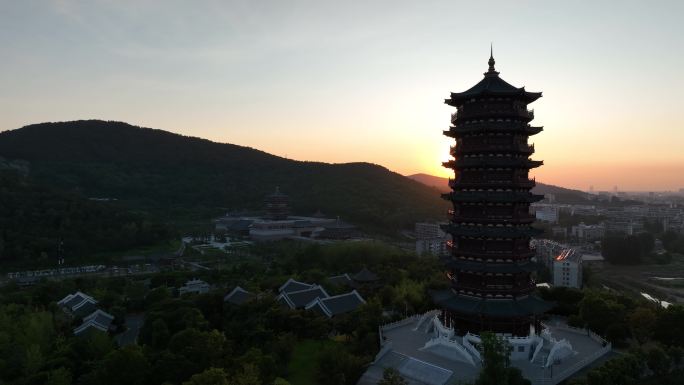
546 212
196 286
588 233
301 295
98 320
238 296
431 239
567 269
338 304
78 304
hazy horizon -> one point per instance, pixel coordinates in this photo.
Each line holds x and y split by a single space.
331 82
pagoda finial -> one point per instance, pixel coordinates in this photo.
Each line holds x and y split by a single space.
491 61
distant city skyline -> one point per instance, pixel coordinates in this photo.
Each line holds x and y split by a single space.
361 81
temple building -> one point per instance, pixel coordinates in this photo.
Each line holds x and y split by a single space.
276 224
489 263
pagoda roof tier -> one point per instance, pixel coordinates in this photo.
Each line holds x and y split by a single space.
493 196
513 307
484 127
522 183
491 161
494 268
492 231
492 86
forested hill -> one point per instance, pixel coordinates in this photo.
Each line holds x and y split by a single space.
155 169
34 217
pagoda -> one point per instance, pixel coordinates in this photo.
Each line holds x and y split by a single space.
489 263
277 206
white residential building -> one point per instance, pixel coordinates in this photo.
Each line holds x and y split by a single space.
194 286
567 269
546 212
588 233
430 238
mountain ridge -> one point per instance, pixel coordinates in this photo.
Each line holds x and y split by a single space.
156 169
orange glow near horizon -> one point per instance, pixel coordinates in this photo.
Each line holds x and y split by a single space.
362 81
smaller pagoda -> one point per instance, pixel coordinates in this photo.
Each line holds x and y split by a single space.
277 206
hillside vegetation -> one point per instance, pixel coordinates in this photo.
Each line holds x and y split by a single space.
34 218
158 170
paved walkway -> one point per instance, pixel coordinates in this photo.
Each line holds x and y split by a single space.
133 324
422 367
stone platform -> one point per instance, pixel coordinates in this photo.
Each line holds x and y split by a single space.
406 348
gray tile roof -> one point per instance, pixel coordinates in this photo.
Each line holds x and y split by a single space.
341 280
291 285
238 296
365 275
299 299
338 304
78 303
97 320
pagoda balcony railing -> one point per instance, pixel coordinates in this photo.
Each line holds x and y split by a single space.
489 253
485 183
487 147
524 215
474 113
505 290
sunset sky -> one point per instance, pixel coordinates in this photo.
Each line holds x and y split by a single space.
361 80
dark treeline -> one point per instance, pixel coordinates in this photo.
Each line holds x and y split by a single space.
34 217
627 250
160 170
198 339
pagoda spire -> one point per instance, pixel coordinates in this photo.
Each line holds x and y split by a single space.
491 62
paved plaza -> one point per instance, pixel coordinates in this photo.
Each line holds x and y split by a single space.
403 349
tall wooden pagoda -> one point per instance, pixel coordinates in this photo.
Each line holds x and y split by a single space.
489 263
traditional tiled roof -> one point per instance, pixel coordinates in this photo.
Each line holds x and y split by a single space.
338 304
238 296
512 307
291 285
299 299
77 302
365 275
97 320
491 85
194 286
341 280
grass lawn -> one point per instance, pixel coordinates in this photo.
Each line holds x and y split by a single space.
303 361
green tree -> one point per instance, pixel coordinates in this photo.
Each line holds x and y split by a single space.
642 322
211 376
59 376
127 365
657 360
496 368
599 312
495 360
392 377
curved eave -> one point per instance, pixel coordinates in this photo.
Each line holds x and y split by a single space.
492 231
494 162
492 197
458 98
491 127
494 268
515 307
